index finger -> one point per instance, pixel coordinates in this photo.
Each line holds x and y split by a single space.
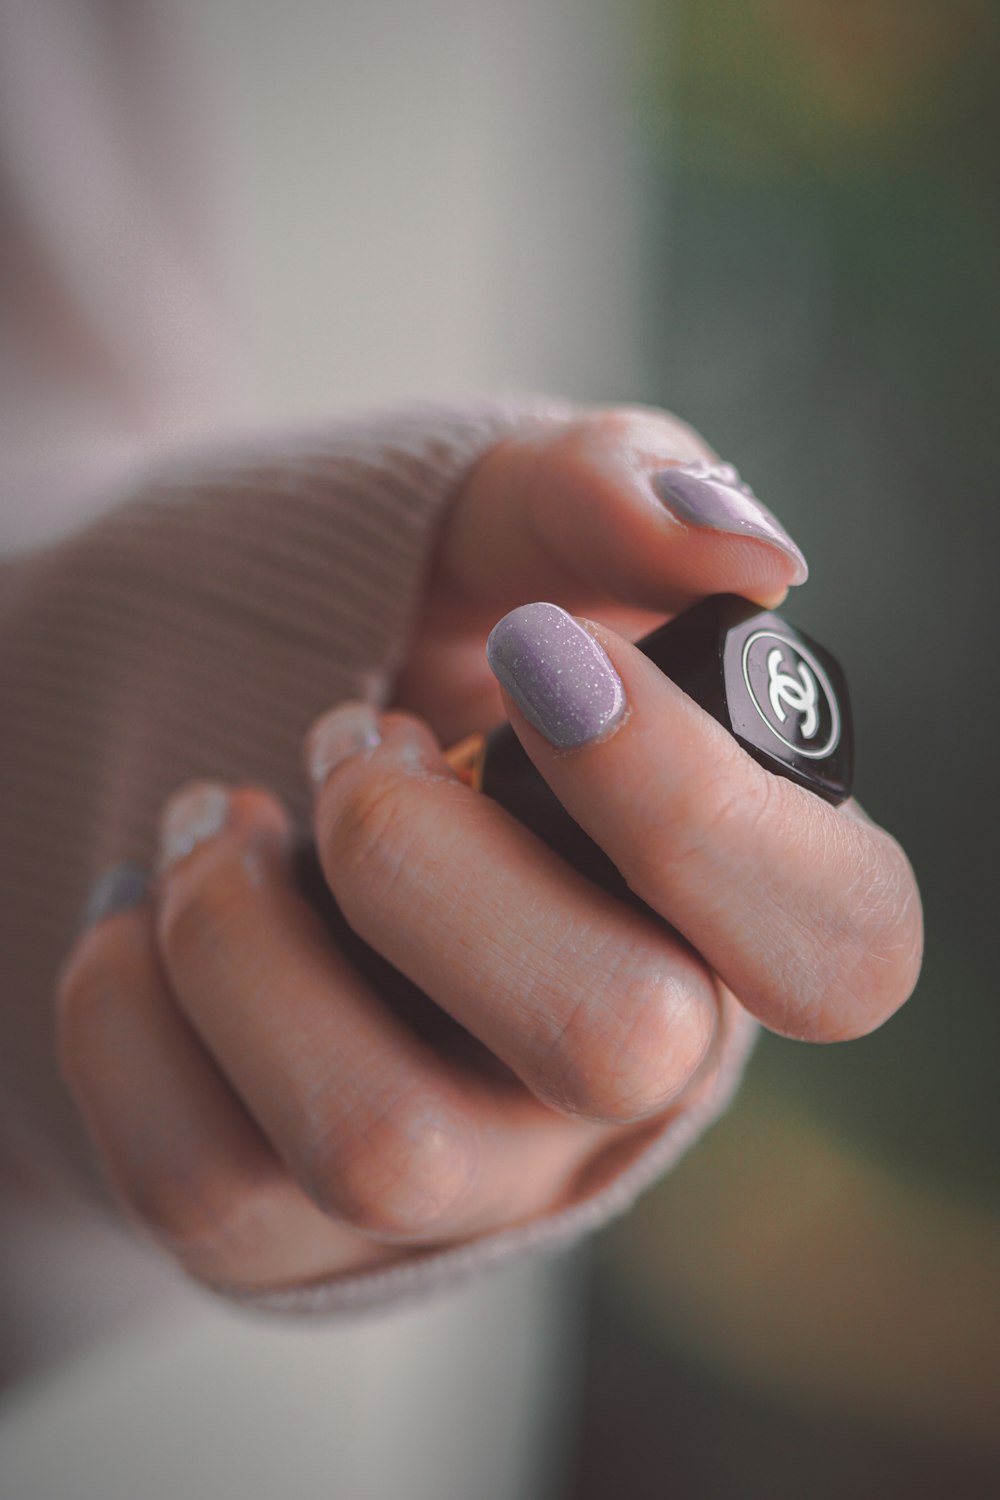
811 918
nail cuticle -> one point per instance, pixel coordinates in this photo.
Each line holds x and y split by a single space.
607 733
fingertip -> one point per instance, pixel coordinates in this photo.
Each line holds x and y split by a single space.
356 784
770 598
347 729
191 816
256 811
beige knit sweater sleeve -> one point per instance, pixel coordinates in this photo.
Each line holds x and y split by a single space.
196 631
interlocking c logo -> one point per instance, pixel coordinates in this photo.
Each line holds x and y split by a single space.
799 693
792 693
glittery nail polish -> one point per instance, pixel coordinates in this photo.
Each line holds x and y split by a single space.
713 497
559 676
122 887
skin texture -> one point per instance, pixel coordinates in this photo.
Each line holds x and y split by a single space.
271 1119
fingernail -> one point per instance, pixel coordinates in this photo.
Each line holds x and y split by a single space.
119 888
192 816
556 673
338 734
714 497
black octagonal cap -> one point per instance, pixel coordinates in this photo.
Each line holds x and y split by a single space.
776 690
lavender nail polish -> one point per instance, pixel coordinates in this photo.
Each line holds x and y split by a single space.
120 888
556 673
714 497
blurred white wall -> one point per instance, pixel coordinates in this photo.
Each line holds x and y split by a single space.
226 212
466 1399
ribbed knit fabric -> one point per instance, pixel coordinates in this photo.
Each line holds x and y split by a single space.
196 631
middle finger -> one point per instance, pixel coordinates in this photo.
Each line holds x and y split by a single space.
599 1010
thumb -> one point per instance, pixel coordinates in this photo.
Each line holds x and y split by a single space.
622 506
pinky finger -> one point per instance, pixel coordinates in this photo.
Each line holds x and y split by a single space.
187 1162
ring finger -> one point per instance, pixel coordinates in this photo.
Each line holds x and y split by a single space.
396 1137
186 1160
600 1011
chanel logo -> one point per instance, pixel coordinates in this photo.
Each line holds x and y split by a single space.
798 692
792 694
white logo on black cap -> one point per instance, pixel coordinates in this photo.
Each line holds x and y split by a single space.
798 692
791 693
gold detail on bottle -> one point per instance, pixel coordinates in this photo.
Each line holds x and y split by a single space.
467 759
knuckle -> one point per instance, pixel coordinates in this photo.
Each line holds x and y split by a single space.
399 1175
714 813
630 1053
886 947
644 426
872 955
369 843
609 424
208 1218
717 809
200 911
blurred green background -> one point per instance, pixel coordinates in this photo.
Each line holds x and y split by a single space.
810 1305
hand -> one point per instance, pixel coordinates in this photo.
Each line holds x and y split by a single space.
272 1120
